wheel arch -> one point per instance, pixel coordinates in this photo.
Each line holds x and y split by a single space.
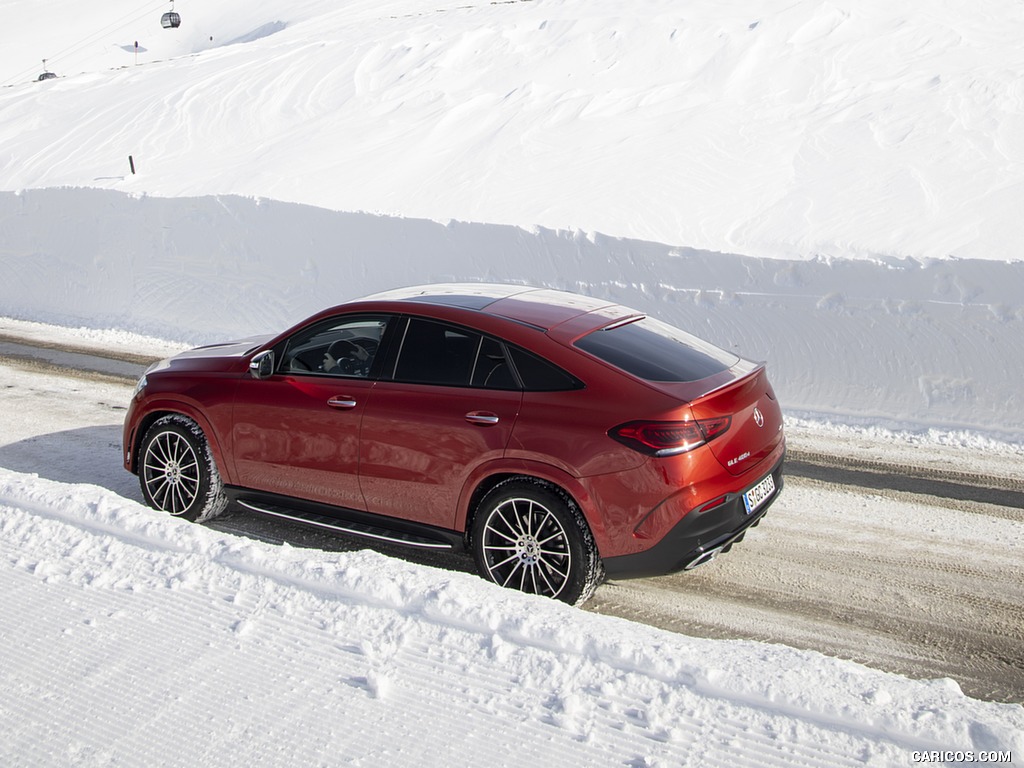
489 476
175 408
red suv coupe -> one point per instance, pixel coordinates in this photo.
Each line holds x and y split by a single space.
558 437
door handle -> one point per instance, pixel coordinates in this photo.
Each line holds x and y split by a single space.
341 401
483 418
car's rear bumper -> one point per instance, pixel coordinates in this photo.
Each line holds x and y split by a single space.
697 538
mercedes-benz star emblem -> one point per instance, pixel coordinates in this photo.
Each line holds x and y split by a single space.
758 417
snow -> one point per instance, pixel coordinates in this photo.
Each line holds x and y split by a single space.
789 129
902 344
835 188
162 642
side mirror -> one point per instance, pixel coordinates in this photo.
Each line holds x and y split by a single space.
262 366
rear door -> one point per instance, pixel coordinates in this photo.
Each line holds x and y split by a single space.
450 405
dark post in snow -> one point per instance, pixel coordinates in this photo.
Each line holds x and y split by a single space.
131 162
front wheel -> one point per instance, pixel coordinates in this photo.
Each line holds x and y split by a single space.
177 472
531 536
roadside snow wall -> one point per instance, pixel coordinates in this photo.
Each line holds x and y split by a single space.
906 344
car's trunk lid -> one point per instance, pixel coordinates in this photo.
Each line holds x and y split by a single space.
756 420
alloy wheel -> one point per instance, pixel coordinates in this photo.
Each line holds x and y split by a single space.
171 472
526 548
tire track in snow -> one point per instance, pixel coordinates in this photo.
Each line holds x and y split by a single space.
940 482
904 586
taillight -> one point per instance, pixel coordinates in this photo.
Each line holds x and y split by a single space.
669 438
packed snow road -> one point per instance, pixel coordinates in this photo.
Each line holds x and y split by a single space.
922 588
856 560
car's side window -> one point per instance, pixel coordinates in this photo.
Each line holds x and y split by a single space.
436 353
432 352
538 375
342 346
491 369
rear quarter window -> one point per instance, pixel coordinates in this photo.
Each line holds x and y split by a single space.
539 375
656 351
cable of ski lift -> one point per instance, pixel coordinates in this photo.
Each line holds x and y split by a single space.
81 43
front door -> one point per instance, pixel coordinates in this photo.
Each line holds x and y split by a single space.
289 439
296 433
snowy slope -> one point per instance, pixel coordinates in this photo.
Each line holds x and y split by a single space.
787 129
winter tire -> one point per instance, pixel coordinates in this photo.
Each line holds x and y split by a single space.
177 472
530 536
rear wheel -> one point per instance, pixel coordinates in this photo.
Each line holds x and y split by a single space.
177 472
531 536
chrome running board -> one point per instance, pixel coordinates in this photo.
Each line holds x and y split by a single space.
345 526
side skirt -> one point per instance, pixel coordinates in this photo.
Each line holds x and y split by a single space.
345 521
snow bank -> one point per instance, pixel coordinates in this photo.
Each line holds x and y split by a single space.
898 342
149 640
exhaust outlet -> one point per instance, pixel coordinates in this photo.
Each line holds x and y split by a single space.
703 557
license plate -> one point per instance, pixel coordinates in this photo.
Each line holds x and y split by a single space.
757 495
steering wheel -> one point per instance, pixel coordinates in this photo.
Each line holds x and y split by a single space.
348 356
